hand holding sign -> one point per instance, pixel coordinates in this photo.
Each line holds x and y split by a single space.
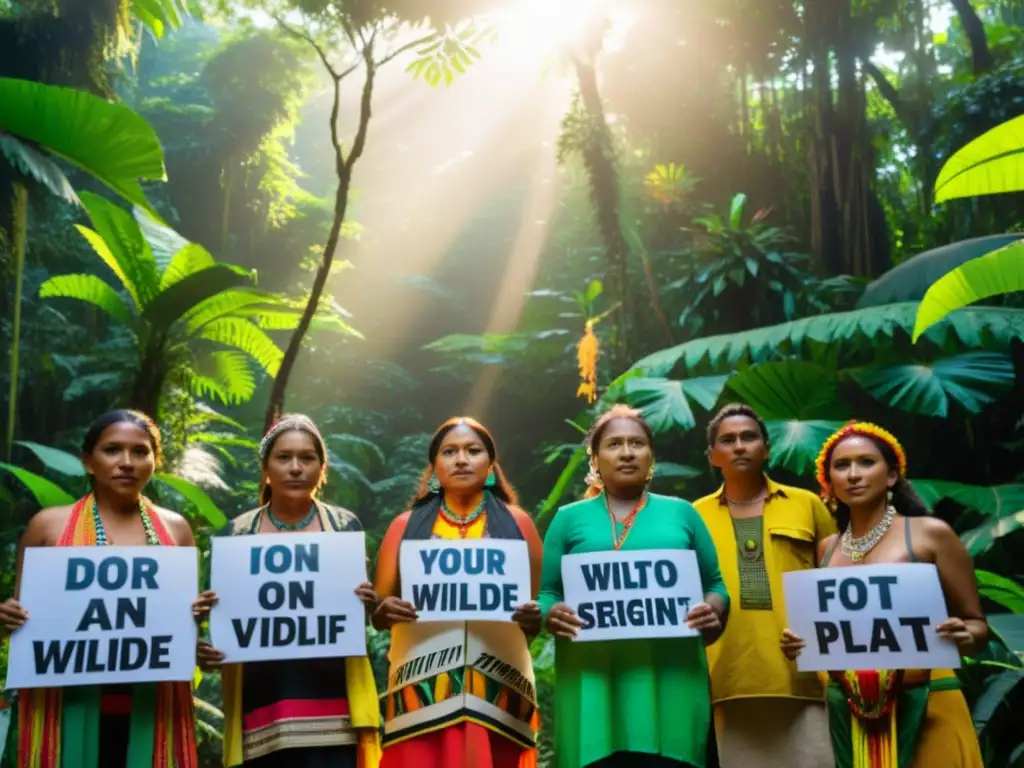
528 618
12 615
957 631
563 621
393 610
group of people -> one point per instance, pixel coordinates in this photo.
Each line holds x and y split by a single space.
635 702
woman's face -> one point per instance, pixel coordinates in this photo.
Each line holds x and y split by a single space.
624 455
739 445
122 461
858 473
293 469
462 462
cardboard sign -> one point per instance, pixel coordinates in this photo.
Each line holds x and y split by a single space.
288 596
630 595
105 615
478 580
869 617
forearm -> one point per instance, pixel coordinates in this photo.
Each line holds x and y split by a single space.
979 632
721 608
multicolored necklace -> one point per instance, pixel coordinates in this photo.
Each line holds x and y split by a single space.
627 524
283 526
103 540
462 523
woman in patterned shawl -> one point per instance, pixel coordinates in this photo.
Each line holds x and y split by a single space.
459 714
300 713
110 726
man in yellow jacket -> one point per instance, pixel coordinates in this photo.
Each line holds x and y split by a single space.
766 713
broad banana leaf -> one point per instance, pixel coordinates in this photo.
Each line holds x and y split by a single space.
990 500
107 140
991 164
911 280
46 493
994 274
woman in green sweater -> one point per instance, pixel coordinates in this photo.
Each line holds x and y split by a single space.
637 703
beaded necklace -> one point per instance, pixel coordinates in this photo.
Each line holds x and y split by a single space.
627 524
283 526
103 540
858 547
462 523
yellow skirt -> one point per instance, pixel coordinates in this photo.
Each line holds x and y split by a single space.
947 735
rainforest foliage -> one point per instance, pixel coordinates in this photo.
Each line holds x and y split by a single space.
385 213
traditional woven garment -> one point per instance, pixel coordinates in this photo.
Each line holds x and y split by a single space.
494 726
301 704
60 728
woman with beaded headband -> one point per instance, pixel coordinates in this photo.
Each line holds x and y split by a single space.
862 470
463 495
298 713
142 725
638 702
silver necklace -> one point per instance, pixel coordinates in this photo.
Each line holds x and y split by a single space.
857 547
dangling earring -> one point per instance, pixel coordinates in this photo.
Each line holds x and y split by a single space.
492 480
433 484
888 497
650 473
594 479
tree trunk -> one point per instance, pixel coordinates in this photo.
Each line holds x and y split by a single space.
599 158
18 234
981 57
343 169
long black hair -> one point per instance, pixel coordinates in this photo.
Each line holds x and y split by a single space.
905 500
500 488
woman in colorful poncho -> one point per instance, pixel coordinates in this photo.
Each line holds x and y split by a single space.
917 717
134 726
299 713
459 715
630 703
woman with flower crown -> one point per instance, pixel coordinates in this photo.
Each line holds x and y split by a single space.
109 726
459 715
297 713
862 471
630 703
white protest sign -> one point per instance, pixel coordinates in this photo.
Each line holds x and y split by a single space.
105 615
631 595
288 596
869 617
475 580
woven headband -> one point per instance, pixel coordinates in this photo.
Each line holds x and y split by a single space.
284 425
865 429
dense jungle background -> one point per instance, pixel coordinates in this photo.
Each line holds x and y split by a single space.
383 213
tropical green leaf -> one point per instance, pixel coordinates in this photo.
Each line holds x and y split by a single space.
795 444
99 245
224 375
59 461
35 164
126 245
189 259
980 540
990 500
288 320
197 497
194 295
90 289
994 274
103 138
668 470
664 402
243 302
991 164
243 335
551 501
365 453
46 493
163 241
999 589
972 327
996 689
927 388
788 389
